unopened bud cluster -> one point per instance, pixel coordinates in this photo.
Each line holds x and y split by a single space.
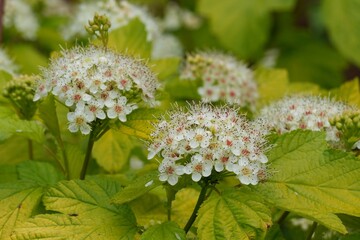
206 140
20 92
304 112
223 78
349 126
97 84
99 27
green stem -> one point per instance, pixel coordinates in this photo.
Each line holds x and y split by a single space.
30 148
64 155
201 199
87 156
312 230
282 217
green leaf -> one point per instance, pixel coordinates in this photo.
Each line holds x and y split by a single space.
166 230
75 160
342 20
112 151
41 173
280 4
242 26
87 214
8 173
18 201
29 129
139 123
183 205
272 84
311 181
141 185
28 58
131 39
165 68
234 214
309 59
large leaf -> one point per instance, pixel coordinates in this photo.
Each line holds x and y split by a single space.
166 230
29 129
180 89
272 83
18 201
47 112
112 151
41 173
234 214
342 20
311 181
139 123
349 92
87 214
138 187
131 39
75 160
165 68
183 205
242 26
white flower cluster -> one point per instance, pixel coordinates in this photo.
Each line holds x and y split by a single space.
119 14
6 64
176 17
18 14
206 139
304 112
95 84
224 78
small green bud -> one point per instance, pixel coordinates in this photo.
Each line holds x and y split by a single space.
338 125
95 28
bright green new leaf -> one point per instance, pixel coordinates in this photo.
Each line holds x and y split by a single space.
139 123
234 214
131 39
41 173
138 187
310 180
166 230
242 26
165 68
272 84
87 214
18 202
29 129
342 20
112 151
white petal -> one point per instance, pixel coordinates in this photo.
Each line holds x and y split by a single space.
73 127
196 176
122 117
100 114
163 177
85 129
111 113
219 166
173 179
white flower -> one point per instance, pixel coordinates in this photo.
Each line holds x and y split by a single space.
78 120
170 172
97 83
198 167
223 78
304 112
206 138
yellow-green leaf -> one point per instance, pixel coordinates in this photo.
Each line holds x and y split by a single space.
234 214
311 181
28 129
112 151
166 230
349 92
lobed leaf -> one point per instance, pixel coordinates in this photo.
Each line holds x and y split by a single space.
234 214
166 230
29 129
311 181
86 213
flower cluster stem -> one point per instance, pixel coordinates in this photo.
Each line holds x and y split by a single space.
311 231
201 199
283 217
90 146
